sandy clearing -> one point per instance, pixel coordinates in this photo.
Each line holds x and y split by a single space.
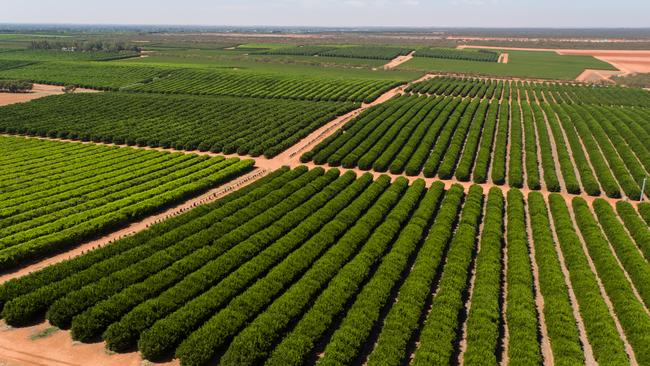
627 61
58 349
398 61
503 58
598 76
141 225
39 91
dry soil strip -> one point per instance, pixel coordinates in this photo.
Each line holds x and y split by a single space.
141 225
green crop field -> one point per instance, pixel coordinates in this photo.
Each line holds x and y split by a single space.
526 64
57 195
47 55
84 74
247 198
314 263
464 130
457 54
251 84
245 126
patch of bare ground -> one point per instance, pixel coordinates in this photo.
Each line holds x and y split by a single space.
39 91
590 360
598 76
547 352
603 293
503 58
398 61
20 346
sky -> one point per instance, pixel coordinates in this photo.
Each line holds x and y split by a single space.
337 13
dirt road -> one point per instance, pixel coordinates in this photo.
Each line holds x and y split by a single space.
398 61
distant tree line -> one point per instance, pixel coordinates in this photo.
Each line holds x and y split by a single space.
82 46
14 86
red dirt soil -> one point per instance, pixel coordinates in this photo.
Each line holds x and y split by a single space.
24 347
39 91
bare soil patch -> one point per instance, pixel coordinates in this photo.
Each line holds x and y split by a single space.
18 346
39 91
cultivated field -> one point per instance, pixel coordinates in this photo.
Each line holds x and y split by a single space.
55 196
311 202
313 264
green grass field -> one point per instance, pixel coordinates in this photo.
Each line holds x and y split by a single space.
531 64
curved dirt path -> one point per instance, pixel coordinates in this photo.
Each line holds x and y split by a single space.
398 61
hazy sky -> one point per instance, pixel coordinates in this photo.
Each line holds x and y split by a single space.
439 13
